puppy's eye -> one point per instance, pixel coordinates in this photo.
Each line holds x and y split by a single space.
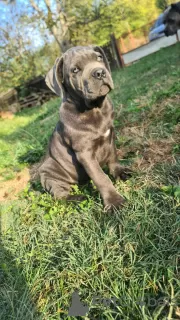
99 58
75 70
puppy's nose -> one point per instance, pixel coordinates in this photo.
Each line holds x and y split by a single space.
99 73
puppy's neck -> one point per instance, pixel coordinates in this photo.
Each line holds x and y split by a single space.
97 103
83 105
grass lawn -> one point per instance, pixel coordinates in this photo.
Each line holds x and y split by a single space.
50 248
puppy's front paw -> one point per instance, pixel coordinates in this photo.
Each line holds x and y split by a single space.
114 201
121 173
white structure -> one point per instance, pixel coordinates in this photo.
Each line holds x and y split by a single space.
149 48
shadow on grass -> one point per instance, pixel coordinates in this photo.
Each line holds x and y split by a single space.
15 297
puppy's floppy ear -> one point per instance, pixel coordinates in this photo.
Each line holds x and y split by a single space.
101 51
54 78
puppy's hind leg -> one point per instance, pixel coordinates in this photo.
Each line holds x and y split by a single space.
61 191
55 188
57 182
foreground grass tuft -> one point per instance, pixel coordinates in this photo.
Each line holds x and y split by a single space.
50 248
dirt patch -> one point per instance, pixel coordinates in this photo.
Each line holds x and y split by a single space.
9 189
6 115
139 144
147 155
147 152
156 151
161 107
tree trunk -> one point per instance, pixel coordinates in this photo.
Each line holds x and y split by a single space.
58 26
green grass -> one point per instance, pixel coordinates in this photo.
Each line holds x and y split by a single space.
50 248
23 139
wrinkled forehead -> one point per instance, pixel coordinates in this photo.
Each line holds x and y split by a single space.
79 56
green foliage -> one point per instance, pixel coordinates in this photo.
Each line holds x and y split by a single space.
163 4
85 24
107 17
27 66
21 58
24 141
172 190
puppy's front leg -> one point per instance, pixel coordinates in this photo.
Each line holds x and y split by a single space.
108 192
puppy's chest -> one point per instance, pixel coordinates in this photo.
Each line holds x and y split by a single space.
107 133
92 130
98 123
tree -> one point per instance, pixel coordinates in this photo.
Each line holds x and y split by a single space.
52 14
20 60
66 23
55 19
66 20
74 22
118 17
163 4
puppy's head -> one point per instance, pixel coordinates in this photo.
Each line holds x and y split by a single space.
81 73
172 19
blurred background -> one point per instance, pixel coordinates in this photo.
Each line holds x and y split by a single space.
34 32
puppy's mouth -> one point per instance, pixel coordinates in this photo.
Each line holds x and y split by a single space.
104 89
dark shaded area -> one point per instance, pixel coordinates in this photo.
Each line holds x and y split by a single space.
31 156
35 85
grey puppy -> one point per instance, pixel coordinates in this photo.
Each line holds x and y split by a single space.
83 140
172 19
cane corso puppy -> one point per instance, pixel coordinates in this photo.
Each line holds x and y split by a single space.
172 19
83 140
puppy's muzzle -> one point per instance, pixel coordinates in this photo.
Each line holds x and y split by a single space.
99 73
